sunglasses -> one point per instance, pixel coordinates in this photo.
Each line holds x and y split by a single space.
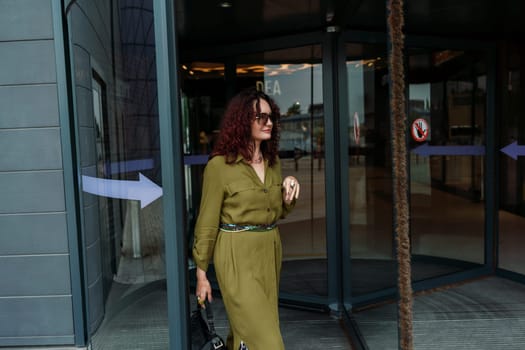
262 118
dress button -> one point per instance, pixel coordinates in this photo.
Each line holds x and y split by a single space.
265 190
268 209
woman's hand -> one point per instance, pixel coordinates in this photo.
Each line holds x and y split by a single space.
203 290
291 189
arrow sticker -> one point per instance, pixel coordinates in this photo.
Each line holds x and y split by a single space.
514 150
196 159
144 190
129 166
427 150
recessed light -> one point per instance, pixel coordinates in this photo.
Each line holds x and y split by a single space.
225 4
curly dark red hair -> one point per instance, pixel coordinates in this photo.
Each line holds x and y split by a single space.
235 136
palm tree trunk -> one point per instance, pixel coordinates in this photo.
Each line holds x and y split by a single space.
399 167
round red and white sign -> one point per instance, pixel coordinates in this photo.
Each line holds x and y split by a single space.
420 130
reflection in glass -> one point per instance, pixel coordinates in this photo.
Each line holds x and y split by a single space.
117 122
512 171
370 175
447 92
203 102
293 78
446 107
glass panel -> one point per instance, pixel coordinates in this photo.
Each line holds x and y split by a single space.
203 102
118 141
512 165
293 78
446 117
370 171
446 113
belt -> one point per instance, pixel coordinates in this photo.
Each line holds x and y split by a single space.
241 228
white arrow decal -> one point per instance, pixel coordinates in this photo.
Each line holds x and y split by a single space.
144 190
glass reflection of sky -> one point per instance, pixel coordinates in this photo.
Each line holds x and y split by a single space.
286 83
298 83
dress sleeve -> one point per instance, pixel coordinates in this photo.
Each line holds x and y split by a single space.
287 208
207 226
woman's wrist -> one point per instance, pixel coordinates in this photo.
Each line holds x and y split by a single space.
201 275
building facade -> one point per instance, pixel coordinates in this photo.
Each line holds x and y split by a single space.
110 108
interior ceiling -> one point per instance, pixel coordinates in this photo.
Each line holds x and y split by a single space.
205 22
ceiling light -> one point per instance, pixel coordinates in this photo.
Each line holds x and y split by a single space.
225 4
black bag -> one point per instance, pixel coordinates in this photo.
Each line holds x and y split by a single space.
203 336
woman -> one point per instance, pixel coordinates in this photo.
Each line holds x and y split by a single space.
243 196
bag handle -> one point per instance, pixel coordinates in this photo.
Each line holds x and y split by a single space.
205 308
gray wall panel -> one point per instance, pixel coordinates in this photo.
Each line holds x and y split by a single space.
84 107
91 51
96 302
34 275
35 287
90 170
25 19
89 199
87 146
48 316
30 149
33 234
93 263
91 224
83 74
98 46
99 20
26 192
27 62
104 10
16 112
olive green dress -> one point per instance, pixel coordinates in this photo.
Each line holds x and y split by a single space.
247 264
